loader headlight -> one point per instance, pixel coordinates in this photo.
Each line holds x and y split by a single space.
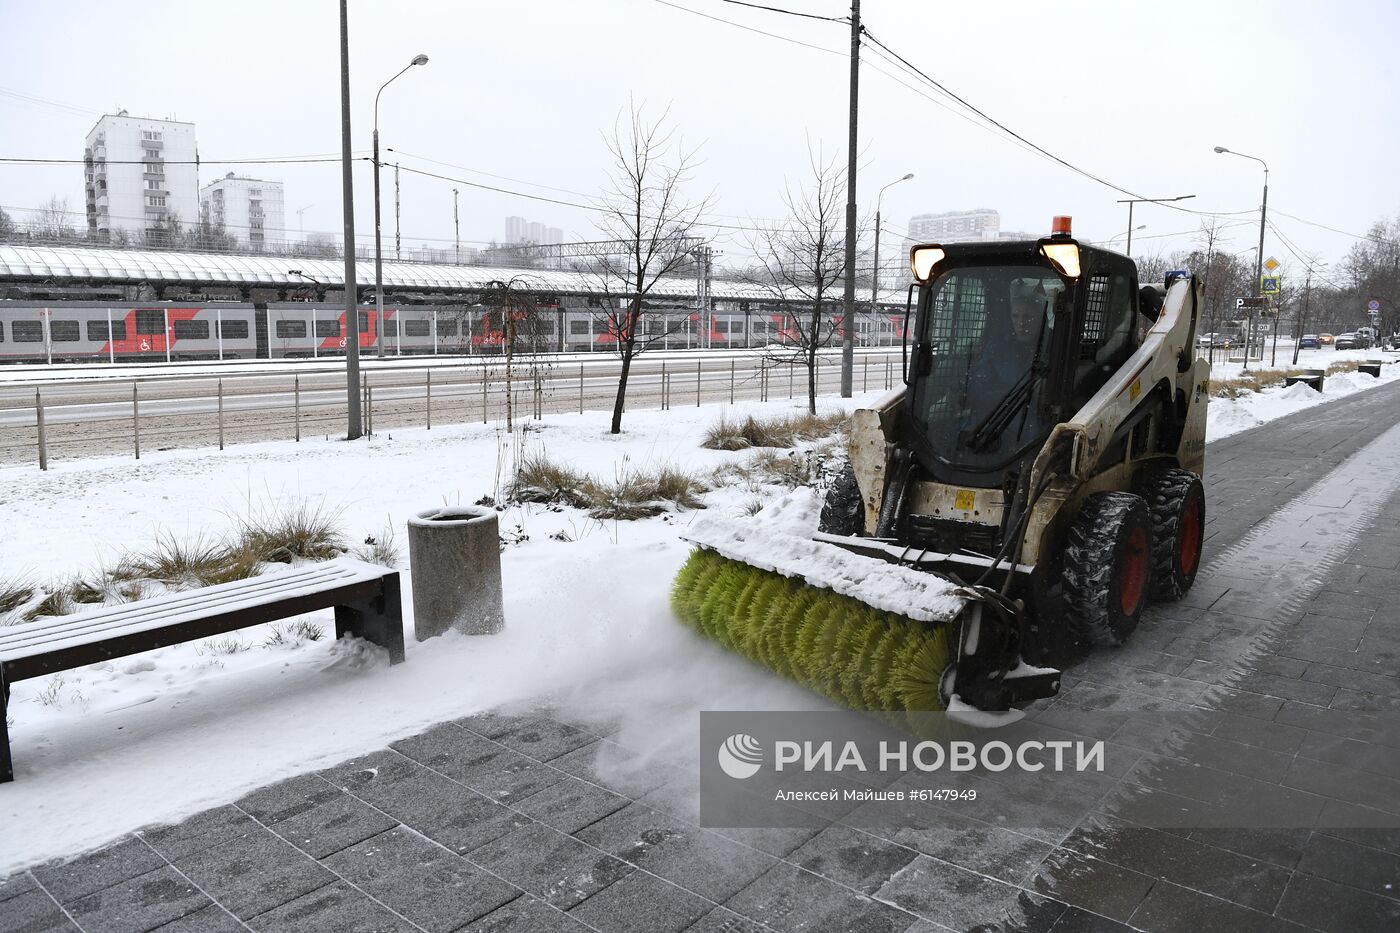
1064 257
922 259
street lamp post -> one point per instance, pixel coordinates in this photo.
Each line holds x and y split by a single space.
1129 233
354 428
378 252
875 275
1259 256
1131 201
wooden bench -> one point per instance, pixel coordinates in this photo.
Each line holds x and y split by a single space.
366 600
1370 367
1312 378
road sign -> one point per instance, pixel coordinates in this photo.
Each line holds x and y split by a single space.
1373 305
1245 304
1269 285
1271 264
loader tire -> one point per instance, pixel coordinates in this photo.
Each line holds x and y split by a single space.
843 513
1177 502
1108 563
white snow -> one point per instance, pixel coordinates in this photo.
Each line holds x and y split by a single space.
157 737
1230 416
779 538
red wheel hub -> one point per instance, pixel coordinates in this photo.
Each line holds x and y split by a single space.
1132 571
1191 538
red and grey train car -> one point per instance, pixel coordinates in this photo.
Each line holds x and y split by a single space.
42 332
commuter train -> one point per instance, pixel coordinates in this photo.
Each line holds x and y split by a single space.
110 332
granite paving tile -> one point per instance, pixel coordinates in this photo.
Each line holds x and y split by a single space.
211 919
701 861
34 912
526 914
336 824
641 903
252 874
552 866
141 903
434 888
335 908
201 831
485 766
67 881
1326 905
1170 908
570 804
288 798
852 858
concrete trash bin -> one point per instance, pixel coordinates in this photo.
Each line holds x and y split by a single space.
455 560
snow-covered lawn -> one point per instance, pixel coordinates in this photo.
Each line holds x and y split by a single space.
156 737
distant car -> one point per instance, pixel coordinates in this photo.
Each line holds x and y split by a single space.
1325 339
1309 342
1347 342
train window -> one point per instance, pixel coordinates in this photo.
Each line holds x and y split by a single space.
447 328
234 330
418 327
329 328
27 331
544 327
390 327
64 331
288 330
97 330
578 327
364 322
191 330
150 322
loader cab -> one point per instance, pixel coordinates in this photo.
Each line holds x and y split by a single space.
1009 340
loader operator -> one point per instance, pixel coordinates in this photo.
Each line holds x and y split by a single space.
1007 356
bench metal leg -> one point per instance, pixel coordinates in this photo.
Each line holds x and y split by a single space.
379 621
7 770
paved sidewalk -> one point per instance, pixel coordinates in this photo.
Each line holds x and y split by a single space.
1281 670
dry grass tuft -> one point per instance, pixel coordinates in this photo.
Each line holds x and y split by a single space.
779 431
303 532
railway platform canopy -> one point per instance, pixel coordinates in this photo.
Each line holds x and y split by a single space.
78 266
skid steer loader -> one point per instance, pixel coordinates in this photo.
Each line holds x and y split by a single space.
1044 457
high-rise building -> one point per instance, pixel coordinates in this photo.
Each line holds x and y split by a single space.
955 226
139 173
251 210
519 230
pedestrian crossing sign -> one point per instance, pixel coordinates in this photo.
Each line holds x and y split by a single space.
1269 285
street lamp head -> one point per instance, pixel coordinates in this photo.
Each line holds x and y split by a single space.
1221 149
419 59
907 177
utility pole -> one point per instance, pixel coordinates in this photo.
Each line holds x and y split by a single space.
457 230
397 256
1307 291
352 311
848 343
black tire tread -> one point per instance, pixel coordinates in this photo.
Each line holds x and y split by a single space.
843 512
1089 563
1166 491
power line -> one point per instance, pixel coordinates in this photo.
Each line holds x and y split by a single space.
728 22
774 9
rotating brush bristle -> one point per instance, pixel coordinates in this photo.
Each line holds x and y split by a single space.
861 657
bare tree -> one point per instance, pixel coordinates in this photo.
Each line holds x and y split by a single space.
644 212
8 230
53 221
513 307
805 261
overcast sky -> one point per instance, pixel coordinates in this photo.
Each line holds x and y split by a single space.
519 94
